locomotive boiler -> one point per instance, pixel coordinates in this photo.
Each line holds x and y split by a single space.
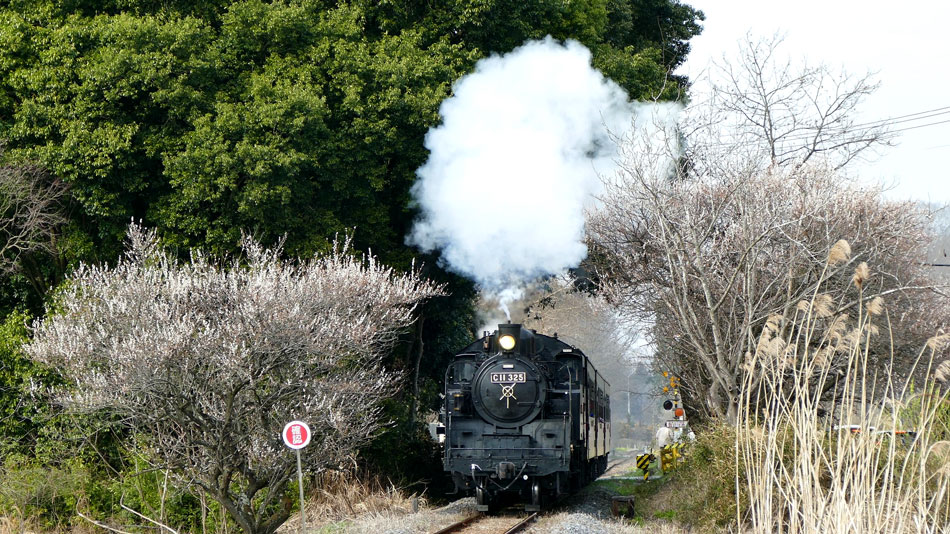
526 416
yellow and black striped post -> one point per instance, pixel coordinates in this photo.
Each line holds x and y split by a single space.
643 462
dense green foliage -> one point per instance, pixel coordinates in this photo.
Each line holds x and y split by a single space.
50 459
282 120
300 118
16 371
295 118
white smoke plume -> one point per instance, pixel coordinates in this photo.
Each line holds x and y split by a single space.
515 162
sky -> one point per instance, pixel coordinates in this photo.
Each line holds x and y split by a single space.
907 47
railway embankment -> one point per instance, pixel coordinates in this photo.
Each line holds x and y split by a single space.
588 512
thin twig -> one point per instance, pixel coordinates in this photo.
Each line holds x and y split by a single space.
150 520
100 525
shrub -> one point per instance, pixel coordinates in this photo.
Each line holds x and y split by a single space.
700 492
48 495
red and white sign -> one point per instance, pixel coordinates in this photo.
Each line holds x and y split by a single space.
296 434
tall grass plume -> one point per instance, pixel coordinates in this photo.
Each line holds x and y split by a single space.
821 434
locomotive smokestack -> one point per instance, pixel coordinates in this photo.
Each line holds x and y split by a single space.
513 330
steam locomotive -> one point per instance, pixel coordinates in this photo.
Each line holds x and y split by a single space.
526 416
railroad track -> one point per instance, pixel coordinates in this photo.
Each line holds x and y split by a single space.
479 518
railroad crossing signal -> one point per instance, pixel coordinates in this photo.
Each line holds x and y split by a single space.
674 383
674 403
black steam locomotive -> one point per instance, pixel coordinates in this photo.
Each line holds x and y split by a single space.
525 415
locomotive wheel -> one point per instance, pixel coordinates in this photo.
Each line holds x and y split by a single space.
483 500
535 497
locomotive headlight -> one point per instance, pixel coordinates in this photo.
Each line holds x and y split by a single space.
507 342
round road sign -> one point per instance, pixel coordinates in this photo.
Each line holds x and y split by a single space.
296 434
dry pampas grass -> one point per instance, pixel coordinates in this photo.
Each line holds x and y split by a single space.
840 252
804 470
861 274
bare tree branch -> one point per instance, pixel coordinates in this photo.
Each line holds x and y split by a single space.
100 524
787 115
161 526
30 211
710 260
723 221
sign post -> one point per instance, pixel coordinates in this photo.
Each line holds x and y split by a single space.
296 435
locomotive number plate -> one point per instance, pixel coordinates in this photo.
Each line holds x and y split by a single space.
507 378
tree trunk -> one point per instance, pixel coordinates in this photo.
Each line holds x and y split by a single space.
418 345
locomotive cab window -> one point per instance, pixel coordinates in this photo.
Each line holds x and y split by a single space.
461 372
563 376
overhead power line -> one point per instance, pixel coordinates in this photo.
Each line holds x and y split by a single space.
905 118
919 126
802 135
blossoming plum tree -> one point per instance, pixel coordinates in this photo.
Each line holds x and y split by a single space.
208 360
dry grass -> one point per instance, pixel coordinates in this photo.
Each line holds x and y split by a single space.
393 520
804 474
339 495
17 524
345 503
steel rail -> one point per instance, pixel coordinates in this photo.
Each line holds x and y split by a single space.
524 523
521 525
458 526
